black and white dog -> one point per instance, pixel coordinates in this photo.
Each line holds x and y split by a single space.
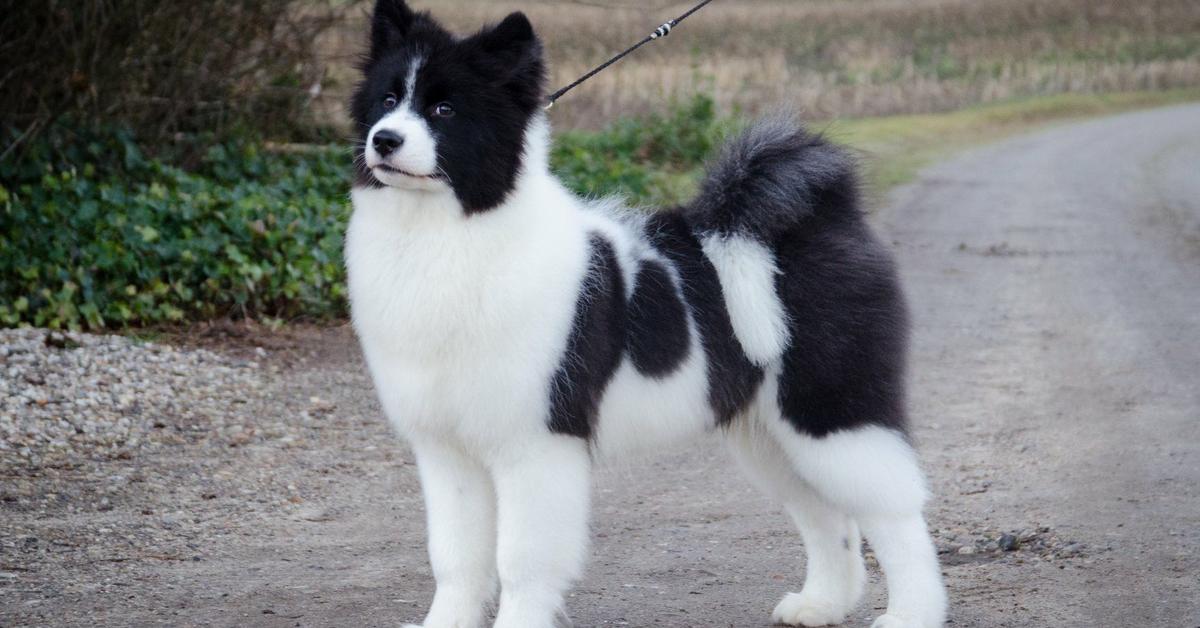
517 333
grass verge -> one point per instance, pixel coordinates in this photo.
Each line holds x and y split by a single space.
898 147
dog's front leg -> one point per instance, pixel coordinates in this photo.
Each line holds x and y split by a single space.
460 505
543 489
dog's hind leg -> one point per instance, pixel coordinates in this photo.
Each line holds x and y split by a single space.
916 596
834 573
871 473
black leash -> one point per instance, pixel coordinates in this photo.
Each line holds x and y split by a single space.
661 31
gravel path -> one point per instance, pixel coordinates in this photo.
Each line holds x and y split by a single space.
1056 285
110 396
247 479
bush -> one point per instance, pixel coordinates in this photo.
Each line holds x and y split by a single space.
163 69
94 233
98 235
649 161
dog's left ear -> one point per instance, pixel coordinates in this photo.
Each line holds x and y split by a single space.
511 51
390 24
512 36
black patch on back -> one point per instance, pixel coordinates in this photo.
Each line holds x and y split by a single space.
798 194
845 365
732 377
658 330
594 347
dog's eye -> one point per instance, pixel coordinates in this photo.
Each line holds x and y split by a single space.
390 101
443 110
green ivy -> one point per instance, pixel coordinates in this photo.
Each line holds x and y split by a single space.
95 234
650 161
92 234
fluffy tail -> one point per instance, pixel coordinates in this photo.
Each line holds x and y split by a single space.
771 179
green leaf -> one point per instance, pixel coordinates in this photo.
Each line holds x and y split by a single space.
148 233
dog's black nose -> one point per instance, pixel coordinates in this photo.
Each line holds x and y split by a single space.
386 142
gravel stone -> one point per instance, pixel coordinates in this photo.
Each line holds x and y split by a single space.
69 395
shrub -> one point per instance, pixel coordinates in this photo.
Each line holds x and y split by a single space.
101 236
651 160
163 68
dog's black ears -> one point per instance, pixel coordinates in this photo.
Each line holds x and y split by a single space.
513 36
510 52
390 24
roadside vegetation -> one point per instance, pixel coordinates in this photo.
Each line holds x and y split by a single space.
120 209
96 234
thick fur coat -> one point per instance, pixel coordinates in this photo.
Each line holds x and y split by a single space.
517 333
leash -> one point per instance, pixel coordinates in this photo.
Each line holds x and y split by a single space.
661 31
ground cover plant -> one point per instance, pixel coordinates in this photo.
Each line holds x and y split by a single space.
93 233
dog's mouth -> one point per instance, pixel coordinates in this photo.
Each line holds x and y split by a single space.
393 170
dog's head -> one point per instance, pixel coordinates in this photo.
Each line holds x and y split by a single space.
441 113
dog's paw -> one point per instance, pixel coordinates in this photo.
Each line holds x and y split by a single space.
896 621
798 609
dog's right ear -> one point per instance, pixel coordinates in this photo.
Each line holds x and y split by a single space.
389 26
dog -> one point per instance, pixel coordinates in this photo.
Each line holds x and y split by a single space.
516 333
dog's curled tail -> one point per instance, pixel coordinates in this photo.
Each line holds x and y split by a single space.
771 179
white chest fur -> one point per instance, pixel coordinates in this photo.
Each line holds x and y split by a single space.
464 318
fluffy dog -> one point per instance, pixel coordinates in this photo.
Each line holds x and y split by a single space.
516 332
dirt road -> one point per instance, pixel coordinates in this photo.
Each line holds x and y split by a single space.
1055 281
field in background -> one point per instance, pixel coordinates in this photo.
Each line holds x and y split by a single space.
837 58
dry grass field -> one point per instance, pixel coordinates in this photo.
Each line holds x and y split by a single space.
837 58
